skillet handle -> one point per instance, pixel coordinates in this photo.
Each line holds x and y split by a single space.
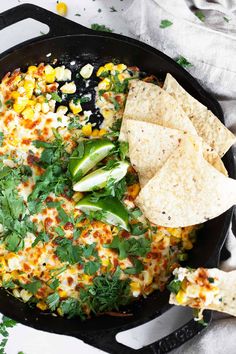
106 340
58 25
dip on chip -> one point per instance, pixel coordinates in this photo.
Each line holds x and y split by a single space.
207 125
202 288
187 190
150 145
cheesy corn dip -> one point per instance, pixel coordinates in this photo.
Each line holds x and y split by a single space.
71 239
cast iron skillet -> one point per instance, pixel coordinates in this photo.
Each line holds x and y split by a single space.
69 41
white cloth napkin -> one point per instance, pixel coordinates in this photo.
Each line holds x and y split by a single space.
210 46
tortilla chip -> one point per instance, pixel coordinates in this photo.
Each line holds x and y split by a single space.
150 145
149 103
207 125
221 290
187 190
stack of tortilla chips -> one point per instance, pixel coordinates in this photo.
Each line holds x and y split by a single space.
176 145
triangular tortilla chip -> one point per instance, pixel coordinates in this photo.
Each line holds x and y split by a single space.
213 289
149 103
150 145
187 190
207 125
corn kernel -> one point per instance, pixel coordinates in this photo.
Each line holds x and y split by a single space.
20 104
62 293
77 196
28 113
87 129
41 99
42 306
187 245
108 66
102 132
59 311
16 293
32 69
68 87
120 68
107 113
45 107
62 110
100 70
75 107
133 190
31 102
105 84
38 107
15 94
25 295
50 74
86 71
61 8
95 132
29 87
180 296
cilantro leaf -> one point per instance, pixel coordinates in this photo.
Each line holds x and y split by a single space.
130 247
53 301
123 149
42 236
174 286
200 15
107 292
136 269
103 28
8 284
138 229
91 267
67 252
32 287
72 308
1 138
54 283
182 61
165 23
56 97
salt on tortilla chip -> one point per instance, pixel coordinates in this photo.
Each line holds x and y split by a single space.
149 103
207 125
221 290
187 190
150 145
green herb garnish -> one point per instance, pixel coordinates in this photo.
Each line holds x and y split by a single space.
183 62
165 23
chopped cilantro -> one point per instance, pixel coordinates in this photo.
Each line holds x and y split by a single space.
130 246
4 325
183 62
200 15
9 103
123 149
174 286
84 99
91 267
67 252
135 213
116 104
54 283
211 280
226 19
103 28
56 97
1 138
136 269
32 287
72 308
9 284
74 123
77 15
42 236
165 23
53 301
138 229
107 292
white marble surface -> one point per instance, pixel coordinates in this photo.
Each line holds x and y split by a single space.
29 340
